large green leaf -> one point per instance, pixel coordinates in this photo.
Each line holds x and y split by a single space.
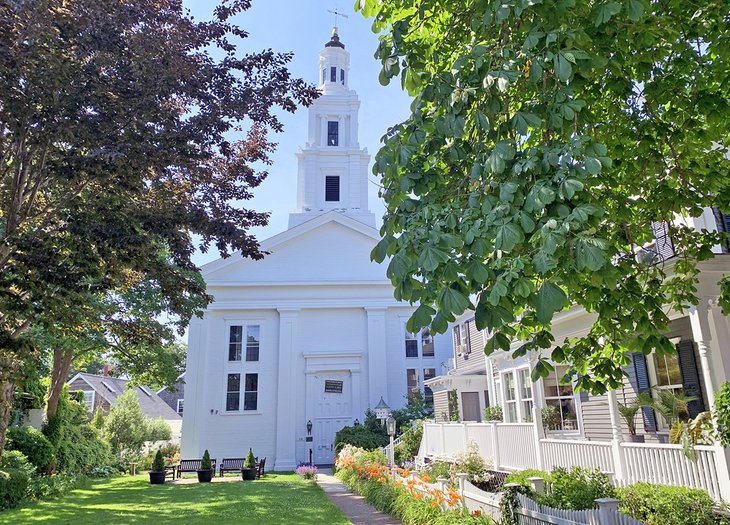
453 301
508 236
548 300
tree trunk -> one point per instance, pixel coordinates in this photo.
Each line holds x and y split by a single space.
7 389
61 365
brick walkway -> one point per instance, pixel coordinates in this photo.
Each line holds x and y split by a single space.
355 507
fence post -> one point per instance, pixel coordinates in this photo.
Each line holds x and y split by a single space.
424 441
607 509
619 458
461 476
466 437
443 484
495 445
538 484
538 433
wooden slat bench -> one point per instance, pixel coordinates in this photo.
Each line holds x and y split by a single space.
260 466
170 472
231 465
191 465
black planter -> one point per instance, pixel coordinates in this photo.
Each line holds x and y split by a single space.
205 476
248 474
157 478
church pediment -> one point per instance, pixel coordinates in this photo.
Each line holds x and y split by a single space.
329 248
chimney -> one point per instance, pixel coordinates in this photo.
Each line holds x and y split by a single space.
107 370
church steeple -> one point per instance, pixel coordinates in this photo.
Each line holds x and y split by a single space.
332 169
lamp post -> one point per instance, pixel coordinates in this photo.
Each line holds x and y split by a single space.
390 427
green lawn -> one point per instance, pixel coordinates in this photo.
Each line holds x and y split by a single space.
276 498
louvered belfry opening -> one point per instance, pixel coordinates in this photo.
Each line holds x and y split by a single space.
332 188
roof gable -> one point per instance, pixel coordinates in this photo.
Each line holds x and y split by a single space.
329 248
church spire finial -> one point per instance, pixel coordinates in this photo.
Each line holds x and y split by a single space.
335 38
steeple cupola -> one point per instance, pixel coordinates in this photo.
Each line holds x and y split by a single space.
332 168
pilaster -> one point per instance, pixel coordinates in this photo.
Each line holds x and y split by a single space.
377 364
286 391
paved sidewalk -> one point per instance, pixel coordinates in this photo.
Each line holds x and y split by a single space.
355 507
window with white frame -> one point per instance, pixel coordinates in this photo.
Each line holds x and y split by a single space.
461 338
525 390
428 373
89 396
427 349
244 345
412 380
664 374
510 397
180 406
559 396
411 345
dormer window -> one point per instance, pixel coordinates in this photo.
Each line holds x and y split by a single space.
332 188
333 133
342 76
333 74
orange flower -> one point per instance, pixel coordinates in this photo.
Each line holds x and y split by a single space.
476 513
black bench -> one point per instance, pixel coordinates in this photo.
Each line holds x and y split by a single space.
260 466
191 465
231 465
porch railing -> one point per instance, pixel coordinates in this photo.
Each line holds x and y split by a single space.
515 446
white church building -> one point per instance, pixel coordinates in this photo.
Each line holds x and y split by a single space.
311 333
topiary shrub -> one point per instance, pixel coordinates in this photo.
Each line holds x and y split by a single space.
205 463
158 465
577 488
250 461
664 505
33 444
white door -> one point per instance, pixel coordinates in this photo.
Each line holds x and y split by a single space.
332 411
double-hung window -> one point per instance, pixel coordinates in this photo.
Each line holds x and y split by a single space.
525 389
510 397
242 378
411 345
559 396
412 380
426 342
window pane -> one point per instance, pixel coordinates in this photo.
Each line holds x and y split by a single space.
252 382
333 74
234 343
512 412
429 373
333 132
252 343
232 401
412 379
427 343
250 400
234 382
550 385
667 370
411 348
509 387
324 75
342 76
525 384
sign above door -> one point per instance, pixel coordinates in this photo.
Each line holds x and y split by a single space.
333 387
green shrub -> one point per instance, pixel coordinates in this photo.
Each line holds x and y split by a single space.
493 413
45 487
577 488
33 444
664 505
158 465
410 442
360 436
205 463
438 469
15 474
521 478
250 461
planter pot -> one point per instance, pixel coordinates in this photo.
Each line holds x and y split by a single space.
631 438
248 474
157 478
663 438
205 476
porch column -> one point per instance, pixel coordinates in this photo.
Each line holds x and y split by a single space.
286 391
377 363
699 318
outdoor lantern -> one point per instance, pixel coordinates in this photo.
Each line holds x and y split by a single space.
382 410
390 426
309 427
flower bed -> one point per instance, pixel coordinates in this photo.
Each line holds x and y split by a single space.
411 499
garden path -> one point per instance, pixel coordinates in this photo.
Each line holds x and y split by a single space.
355 507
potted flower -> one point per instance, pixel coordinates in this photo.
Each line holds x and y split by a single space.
248 472
493 413
205 472
157 474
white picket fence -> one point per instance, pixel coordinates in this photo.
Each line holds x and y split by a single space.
529 512
511 446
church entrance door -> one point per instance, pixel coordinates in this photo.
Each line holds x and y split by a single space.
332 411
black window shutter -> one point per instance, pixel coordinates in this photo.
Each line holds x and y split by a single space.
642 385
690 376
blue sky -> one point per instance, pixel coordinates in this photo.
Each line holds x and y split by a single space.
303 27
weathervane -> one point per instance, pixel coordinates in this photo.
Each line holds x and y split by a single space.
337 13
